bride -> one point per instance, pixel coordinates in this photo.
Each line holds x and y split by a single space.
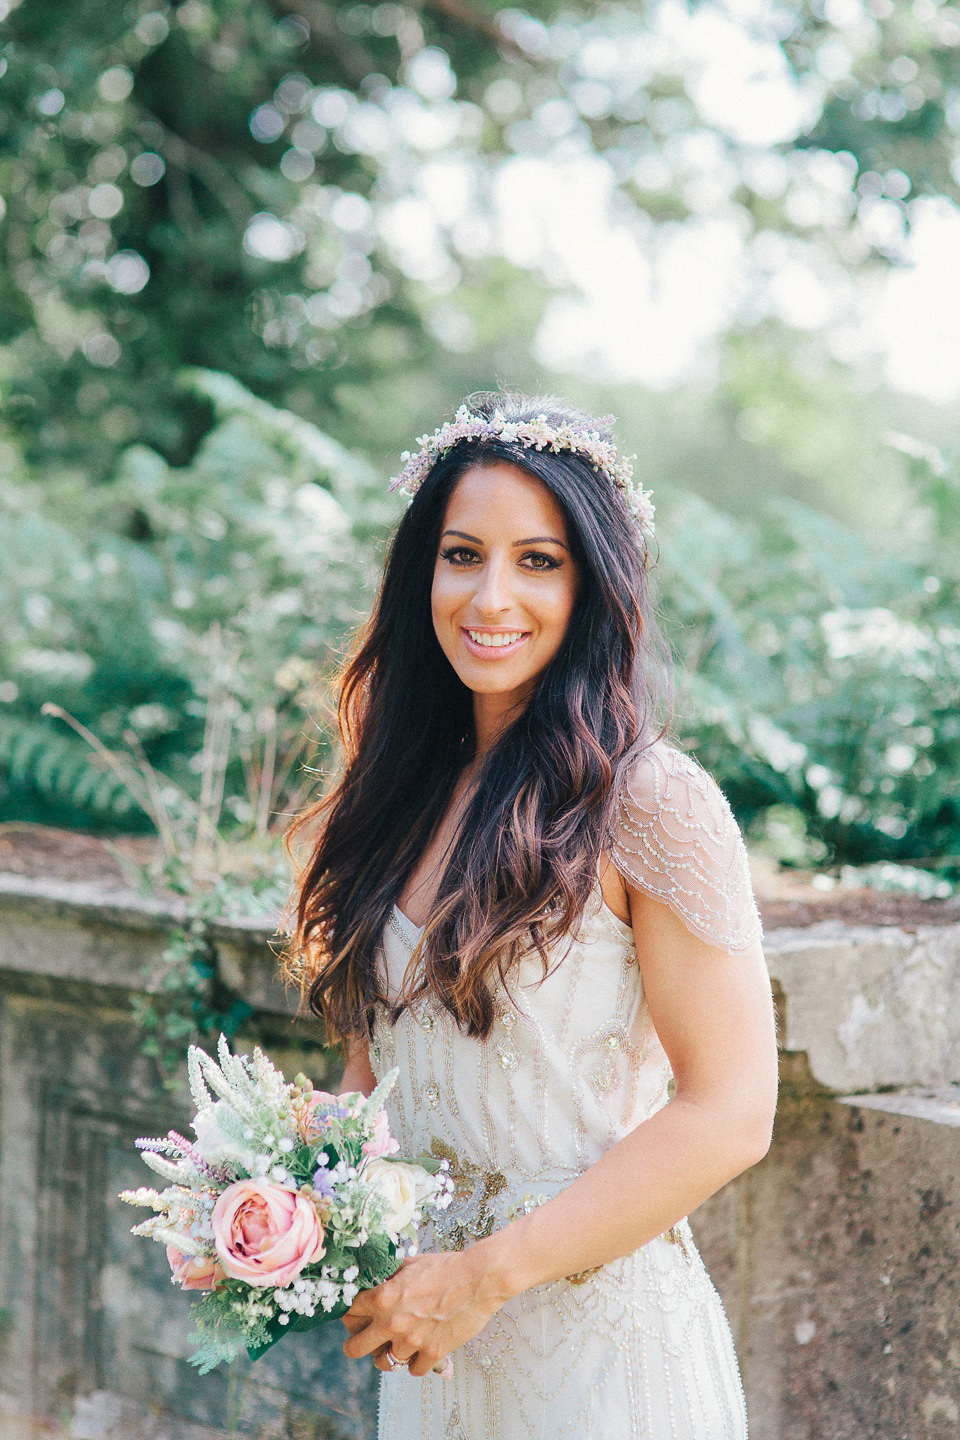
520 894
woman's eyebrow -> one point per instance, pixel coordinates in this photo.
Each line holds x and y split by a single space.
533 540
541 540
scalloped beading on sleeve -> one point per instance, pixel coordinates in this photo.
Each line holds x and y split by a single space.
675 837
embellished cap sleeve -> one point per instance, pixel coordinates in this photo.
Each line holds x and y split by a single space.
675 837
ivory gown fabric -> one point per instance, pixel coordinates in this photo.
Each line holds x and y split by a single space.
639 1349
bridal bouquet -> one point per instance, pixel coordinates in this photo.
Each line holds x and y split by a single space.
289 1202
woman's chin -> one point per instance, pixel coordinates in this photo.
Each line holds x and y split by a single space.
508 681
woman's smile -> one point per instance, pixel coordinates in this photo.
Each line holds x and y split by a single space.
493 644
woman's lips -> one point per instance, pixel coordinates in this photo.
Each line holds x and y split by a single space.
493 652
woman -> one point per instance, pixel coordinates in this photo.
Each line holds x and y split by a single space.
541 912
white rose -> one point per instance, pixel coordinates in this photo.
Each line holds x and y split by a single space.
396 1186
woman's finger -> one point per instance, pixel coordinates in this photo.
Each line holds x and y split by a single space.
365 1303
383 1356
366 1341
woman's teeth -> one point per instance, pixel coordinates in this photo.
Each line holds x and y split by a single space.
481 637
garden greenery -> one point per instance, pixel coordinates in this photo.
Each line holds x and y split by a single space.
821 670
128 603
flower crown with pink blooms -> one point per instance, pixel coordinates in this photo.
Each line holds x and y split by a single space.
537 434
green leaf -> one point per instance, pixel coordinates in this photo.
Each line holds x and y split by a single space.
298 1324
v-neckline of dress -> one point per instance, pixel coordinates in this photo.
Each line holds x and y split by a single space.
407 923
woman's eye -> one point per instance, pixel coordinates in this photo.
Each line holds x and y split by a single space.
458 555
540 560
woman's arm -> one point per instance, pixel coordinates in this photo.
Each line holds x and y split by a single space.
714 1015
357 1074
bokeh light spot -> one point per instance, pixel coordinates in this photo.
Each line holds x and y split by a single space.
115 84
127 272
146 169
266 124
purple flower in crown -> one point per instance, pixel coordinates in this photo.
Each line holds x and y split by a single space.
536 434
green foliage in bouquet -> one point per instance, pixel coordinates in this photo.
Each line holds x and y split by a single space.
376 1261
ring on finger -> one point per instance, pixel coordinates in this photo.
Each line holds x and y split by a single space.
393 1361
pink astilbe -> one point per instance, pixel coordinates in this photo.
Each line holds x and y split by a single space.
178 1145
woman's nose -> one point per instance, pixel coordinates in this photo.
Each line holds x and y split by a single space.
493 590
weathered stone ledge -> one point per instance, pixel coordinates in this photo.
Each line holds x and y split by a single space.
72 930
871 1007
941 1107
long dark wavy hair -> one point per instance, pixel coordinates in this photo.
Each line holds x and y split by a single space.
525 857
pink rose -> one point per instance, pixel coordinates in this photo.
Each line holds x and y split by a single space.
265 1234
194 1272
382 1142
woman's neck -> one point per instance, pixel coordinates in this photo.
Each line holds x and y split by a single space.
491 716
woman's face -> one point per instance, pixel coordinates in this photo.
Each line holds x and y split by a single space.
505 582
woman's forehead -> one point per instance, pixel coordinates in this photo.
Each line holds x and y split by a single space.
499 496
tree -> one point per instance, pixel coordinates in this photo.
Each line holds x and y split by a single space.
271 189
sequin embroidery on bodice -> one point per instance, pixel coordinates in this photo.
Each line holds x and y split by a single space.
572 1064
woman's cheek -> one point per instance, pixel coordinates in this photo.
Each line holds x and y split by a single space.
445 595
553 606
450 602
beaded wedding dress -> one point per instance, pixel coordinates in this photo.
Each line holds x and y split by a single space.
638 1349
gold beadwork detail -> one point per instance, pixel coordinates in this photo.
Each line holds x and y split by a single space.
676 1235
580 1277
474 1190
604 1078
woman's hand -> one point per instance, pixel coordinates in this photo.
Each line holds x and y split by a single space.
433 1304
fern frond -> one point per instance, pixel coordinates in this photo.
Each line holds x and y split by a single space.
63 770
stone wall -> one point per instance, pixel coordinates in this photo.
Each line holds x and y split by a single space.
837 1257
95 1340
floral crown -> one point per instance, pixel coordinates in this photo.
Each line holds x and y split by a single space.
537 434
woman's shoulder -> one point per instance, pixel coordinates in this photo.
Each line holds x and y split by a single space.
674 836
661 778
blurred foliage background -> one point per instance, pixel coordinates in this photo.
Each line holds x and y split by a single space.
252 247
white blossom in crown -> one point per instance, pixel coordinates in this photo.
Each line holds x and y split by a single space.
536 434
